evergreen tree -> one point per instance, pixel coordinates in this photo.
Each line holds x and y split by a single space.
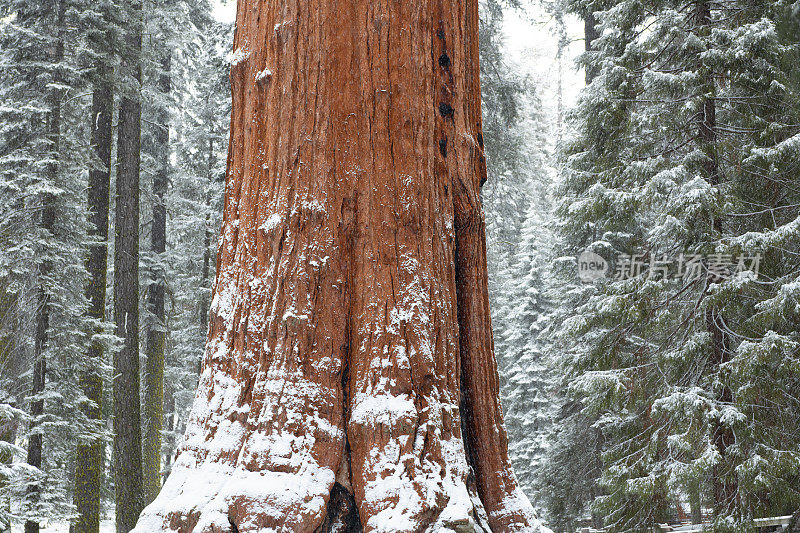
41 262
516 203
98 49
680 135
194 202
40 176
128 479
156 143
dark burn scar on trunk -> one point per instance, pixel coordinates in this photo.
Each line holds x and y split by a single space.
443 147
446 110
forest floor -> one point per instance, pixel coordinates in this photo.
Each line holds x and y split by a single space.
106 526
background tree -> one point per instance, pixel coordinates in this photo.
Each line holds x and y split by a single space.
195 205
89 461
517 185
72 417
128 480
157 146
664 163
43 228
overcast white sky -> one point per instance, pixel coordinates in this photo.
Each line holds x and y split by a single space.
531 42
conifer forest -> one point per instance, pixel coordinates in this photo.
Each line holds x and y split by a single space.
398 266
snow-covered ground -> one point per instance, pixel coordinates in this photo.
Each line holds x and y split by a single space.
106 526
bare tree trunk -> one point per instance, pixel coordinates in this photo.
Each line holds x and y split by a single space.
156 333
724 486
89 456
591 34
205 273
127 417
8 428
350 338
47 223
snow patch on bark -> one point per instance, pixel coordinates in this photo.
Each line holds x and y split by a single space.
237 56
381 409
515 506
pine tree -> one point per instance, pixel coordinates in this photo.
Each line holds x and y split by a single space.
664 164
195 204
128 480
157 144
42 151
516 202
98 35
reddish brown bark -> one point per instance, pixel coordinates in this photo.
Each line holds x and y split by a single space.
350 339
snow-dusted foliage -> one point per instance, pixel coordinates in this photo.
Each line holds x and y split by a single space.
43 329
48 65
517 203
200 113
685 386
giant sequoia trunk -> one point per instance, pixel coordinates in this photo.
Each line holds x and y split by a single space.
349 380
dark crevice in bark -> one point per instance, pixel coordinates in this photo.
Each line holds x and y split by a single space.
234 527
464 406
342 512
446 110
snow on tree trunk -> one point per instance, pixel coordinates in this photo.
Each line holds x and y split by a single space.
350 355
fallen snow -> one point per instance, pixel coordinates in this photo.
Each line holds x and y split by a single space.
106 526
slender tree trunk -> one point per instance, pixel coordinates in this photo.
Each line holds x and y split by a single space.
8 428
724 486
156 334
127 417
591 34
349 380
89 457
695 505
47 223
205 273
